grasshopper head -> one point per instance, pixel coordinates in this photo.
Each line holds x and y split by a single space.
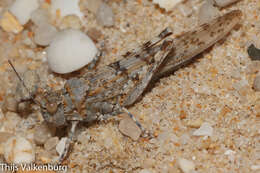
51 106
49 101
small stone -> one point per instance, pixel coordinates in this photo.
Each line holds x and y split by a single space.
44 34
167 4
186 166
70 21
69 51
253 52
223 3
4 136
93 5
105 15
255 167
148 163
42 133
195 123
128 127
61 146
207 12
256 84
204 130
94 34
51 143
230 152
10 103
39 17
22 9
11 122
10 24
19 150
66 7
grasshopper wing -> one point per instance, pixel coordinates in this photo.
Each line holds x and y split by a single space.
165 48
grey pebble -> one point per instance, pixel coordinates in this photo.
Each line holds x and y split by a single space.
223 3
256 84
44 34
42 133
105 15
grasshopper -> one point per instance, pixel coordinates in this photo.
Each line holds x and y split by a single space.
102 93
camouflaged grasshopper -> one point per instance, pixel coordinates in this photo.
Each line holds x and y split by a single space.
102 93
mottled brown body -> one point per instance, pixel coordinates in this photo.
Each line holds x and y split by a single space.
104 92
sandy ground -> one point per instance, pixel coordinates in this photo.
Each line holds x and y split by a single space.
216 89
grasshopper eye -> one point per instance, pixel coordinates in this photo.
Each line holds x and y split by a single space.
52 107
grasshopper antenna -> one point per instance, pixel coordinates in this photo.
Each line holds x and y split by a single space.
18 75
21 80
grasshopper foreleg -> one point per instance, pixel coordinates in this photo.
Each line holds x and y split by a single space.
68 141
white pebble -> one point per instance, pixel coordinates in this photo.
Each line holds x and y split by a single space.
167 4
105 15
69 51
223 3
66 7
44 34
19 150
39 17
255 167
185 165
61 145
207 12
204 130
22 9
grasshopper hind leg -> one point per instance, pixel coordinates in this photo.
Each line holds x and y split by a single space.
102 111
